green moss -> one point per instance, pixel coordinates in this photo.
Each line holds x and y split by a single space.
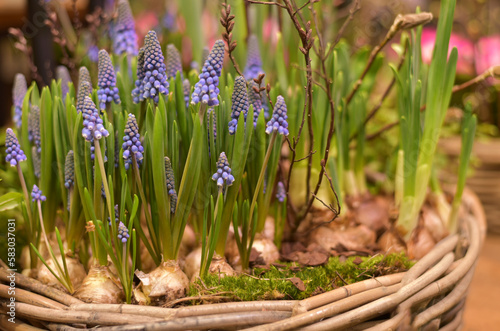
275 283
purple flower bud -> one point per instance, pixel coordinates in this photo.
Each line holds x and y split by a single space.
34 127
37 162
139 88
14 152
84 88
278 121
223 174
18 92
123 32
62 73
211 111
106 81
69 170
154 82
132 142
93 127
207 90
281 194
253 67
93 53
186 86
169 174
123 233
168 22
36 194
174 63
204 54
239 103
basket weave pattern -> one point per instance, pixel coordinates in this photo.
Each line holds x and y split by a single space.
432 293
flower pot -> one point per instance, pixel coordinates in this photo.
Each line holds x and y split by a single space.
431 293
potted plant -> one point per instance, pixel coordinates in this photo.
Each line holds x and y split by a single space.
154 170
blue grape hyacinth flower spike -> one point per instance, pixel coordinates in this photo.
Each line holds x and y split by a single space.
174 63
278 121
93 127
34 127
253 67
123 33
18 92
14 153
223 175
139 88
106 81
132 142
69 170
122 233
36 194
155 78
206 89
281 193
62 73
169 174
239 103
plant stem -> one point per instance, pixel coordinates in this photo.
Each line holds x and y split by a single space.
145 204
217 203
26 194
66 281
98 154
262 173
31 227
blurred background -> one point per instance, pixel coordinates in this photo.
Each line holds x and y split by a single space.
31 43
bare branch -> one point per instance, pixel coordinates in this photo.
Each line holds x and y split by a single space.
270 3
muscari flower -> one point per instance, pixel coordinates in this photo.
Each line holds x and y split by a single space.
253 67
255 101
132 142
34 127
123 233
69 170
204 54
168 22
84 88
186 86
14 152
93 127
210 111
93 53
123 32
84 75
174 64
106 81
18 92
155 78
223 174
36 194
169 174
138 90
37 162
281 194
278 120
239 103
62 73
206 90
117 215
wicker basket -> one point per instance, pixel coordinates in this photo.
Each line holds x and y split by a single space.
485 181
431 294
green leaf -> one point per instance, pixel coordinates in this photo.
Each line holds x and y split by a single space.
10 200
